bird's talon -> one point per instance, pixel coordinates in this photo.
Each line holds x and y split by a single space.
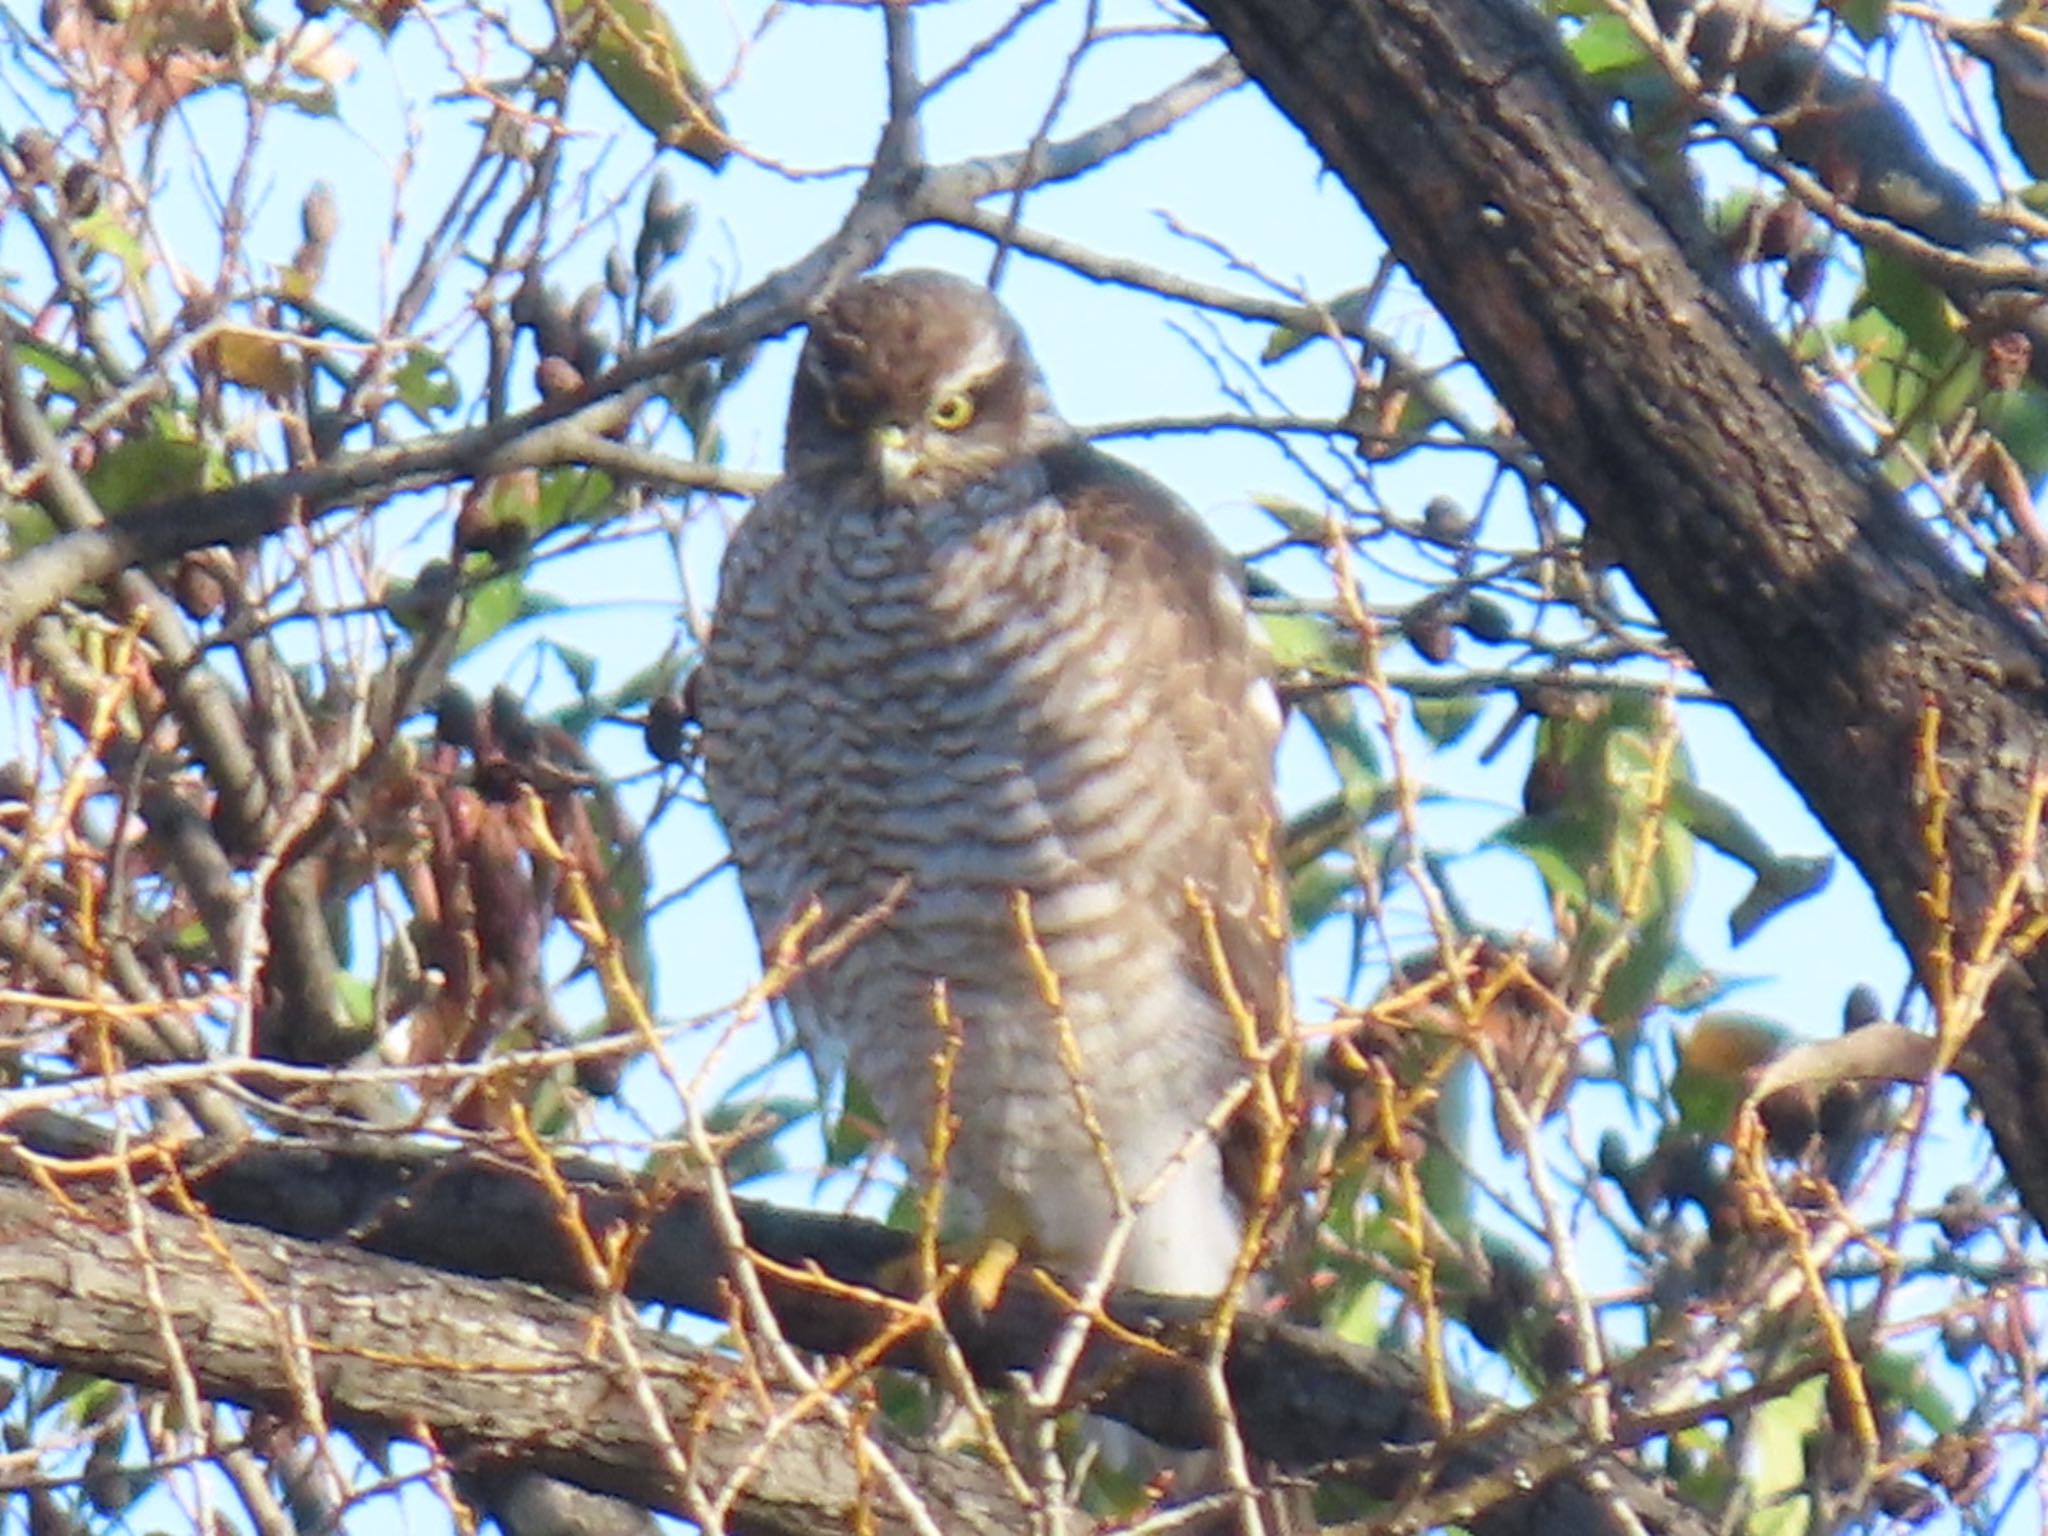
985 1278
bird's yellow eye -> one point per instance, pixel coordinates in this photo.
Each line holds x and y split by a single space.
949 413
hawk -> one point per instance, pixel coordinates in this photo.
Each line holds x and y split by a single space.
995 698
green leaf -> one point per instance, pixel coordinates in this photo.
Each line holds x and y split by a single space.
102 231
1777 1471
1314 892
1721 826
580 665
1606 47
1696 1460
90 1400
1444 720
1298 522
496 605
650 682
634 48
1727 214
27 526
632 695
424 386
326 319
853 1131
1921 392
1308 642
67 373
1715 1060
1347 312
1779 881
1598 766
554 1111
1689 986
1778 886
762 1120
1334 719
907 1402
1636 984
316 101
1316 830
1354 1312
148 469
1560 848
2018 418
1902 293
1421 409
1866 18
358 999
1903 1378
587 497
1447 1187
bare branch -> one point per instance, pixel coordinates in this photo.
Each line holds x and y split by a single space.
495 1371
1302 1398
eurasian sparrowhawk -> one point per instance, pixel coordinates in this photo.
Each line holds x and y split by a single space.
1001 693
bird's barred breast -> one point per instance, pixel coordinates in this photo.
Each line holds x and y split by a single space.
956 695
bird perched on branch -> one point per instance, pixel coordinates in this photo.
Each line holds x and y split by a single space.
994 699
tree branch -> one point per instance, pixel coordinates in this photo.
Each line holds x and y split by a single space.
1769 546
1304 1400
884 209
499 1373
1838 129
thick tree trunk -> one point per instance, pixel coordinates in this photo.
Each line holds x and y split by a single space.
1766 542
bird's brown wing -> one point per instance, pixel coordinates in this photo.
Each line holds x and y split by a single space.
1214 688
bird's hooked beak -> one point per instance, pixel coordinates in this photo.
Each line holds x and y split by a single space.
896 457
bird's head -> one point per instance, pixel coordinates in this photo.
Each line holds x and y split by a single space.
919 383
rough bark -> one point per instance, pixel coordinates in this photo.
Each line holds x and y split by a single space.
1768 545
1303 1400
496 1372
